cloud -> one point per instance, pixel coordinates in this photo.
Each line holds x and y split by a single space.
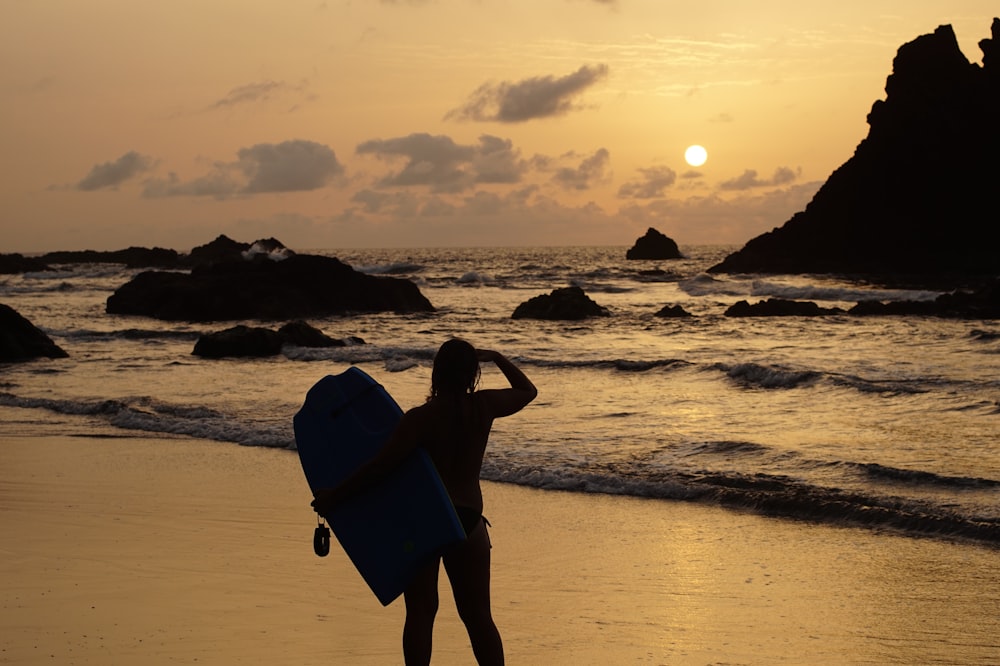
289 166
112 174
258 92
652 185
441 164
749 179
536 97
590 171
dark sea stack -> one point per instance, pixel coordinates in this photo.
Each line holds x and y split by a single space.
654 245
779 307
567 303
18 263
918 197
298 287
239 341
20 340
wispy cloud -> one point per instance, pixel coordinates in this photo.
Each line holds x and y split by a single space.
749 179
653 183
259 92
528 99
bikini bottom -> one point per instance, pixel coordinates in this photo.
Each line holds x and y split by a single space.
470 518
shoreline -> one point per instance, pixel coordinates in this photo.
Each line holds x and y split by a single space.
136 550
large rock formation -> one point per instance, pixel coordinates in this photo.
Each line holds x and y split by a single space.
20 340
919 195
300 286
654 245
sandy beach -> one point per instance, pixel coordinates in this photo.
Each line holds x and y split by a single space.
181 551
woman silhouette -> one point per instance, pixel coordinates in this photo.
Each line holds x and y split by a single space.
453 426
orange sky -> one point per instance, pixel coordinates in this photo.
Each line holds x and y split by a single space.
362 123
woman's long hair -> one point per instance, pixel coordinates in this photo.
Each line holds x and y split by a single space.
456 369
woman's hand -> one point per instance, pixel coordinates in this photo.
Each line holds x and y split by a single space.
326 499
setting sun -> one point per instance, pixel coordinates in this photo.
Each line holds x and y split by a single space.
695 155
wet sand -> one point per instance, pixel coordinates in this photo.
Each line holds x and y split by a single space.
177 551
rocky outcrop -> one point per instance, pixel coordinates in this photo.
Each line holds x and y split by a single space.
20 340
569 303
672 312
133 257
981 303
239 341
779 307
18 263
301 286
224 249
654 245
301 334
221 249
918 197
255 341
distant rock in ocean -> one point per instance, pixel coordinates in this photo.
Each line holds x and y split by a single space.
779 307
567 303
222 248
133 257
20 340
654 245
18 263
254 341
298 286
918 198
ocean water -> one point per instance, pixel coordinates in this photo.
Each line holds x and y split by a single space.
887 423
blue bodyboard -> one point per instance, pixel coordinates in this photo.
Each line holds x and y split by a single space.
394 527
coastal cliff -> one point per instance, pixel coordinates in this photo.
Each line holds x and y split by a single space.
918 197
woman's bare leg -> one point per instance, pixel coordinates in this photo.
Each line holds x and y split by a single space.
421 599
468 568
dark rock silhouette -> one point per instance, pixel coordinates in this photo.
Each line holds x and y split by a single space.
133 257
255 341
20 340
919 195
219 250
239 341
779 307
570 303
18 263
301 286
672 311
224 249
981 303
302 334
654 245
